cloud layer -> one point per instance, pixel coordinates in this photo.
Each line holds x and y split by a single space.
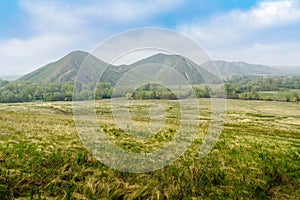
267 33
58 27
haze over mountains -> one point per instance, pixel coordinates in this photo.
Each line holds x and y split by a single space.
66 69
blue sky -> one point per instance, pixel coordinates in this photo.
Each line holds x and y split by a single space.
34 33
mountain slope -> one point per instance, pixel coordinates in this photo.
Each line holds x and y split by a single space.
159 66
189 70
241 68
289 70
65 69
55 71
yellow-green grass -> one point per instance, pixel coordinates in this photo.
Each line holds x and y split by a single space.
277 95
256 157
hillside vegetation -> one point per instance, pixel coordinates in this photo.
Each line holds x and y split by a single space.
238 87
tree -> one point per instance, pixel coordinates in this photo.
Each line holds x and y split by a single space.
197 92
254 95
86 94
153 87
245 96
104 91
287 97
294 97
152 95
3 83
233 95
227 88
206 93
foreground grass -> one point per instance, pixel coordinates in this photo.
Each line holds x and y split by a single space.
256 157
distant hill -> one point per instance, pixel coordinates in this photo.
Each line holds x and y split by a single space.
10 78
228 69
289 70
66 69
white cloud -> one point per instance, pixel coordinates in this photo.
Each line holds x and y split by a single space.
262 30
72 16
237 25
269 54
273 13
21 56
134 43
129 11
58 27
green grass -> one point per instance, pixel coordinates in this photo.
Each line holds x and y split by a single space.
256 157
277 95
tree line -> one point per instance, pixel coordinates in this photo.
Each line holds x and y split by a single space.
247 88
13 92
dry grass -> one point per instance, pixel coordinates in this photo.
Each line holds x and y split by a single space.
256 157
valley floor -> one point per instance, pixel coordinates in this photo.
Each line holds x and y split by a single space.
256 157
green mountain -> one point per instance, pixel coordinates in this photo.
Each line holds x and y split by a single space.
163 65
289 70
9 78
60 71
228 69
160 66
65 69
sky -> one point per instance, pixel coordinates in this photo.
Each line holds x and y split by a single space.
34 33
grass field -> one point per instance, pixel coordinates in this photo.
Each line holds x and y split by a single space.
256 157
277 95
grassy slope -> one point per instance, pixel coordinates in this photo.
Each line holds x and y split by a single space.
53 71
43 73
256 157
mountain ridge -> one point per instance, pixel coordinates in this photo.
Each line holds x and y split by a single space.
66 68
242 68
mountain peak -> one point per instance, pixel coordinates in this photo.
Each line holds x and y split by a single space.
62 70
77 53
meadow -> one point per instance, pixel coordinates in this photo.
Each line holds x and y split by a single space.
256 157
277 95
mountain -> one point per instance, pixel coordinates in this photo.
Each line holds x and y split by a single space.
228 69
9 78
159 65
289 70
62 70
186 68
66 69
